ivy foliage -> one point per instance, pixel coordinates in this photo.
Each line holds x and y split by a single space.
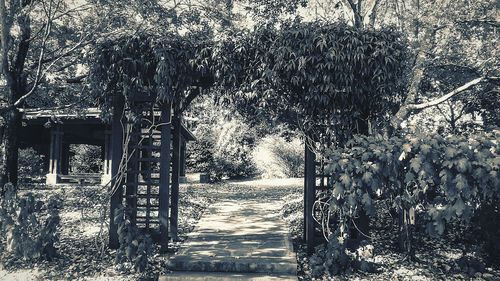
311 69
315 70
144 66
445 178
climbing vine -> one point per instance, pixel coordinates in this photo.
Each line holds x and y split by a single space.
312 74
145 67
307 73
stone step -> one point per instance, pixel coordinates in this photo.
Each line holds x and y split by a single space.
268 265
221 276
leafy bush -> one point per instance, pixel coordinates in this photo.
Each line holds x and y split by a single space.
275 157
233 150
331 258
85 158
135 247
28 226
223 150
31 163
199 154
443 179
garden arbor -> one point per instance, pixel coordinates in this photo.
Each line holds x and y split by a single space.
335 81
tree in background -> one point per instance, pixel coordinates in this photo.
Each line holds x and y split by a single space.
224 142
85 158
454 43
38 41
277 157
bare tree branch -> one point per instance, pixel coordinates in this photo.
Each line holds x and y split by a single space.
407 109
38 74
444 98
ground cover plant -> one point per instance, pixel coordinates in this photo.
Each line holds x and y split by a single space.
80 250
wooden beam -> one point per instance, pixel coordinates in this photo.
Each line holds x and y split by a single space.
309 197
182 172
106 167
116 156
55 154
164 174
176 151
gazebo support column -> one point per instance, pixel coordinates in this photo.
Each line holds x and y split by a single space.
56 136
116 180
166 134
65 159
176 161
106 165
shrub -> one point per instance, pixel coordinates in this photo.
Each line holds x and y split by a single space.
443 179
28 226
85 158
223 150
199 154
233 150
31 163
135 247
275 157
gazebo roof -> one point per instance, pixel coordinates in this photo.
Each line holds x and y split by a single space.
90 115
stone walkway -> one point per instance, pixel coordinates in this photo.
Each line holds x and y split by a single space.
237 240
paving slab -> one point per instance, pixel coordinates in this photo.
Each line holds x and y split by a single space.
236 237
225 276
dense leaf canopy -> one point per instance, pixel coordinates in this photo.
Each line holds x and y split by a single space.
315 71
449 178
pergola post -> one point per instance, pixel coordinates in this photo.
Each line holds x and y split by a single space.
133 155
56 136
116 156
309 197
106 165
182 172
176 161
166 133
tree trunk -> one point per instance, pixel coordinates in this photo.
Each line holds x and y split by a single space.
416 79
15 87
10 145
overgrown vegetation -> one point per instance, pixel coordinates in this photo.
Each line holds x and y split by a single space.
135 248
223 149
29 227
85 158
31 164
428 179
276 157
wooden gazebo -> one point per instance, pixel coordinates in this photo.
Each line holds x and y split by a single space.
51 132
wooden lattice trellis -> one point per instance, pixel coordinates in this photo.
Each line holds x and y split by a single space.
146 150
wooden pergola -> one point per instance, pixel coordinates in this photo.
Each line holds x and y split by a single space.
155 166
